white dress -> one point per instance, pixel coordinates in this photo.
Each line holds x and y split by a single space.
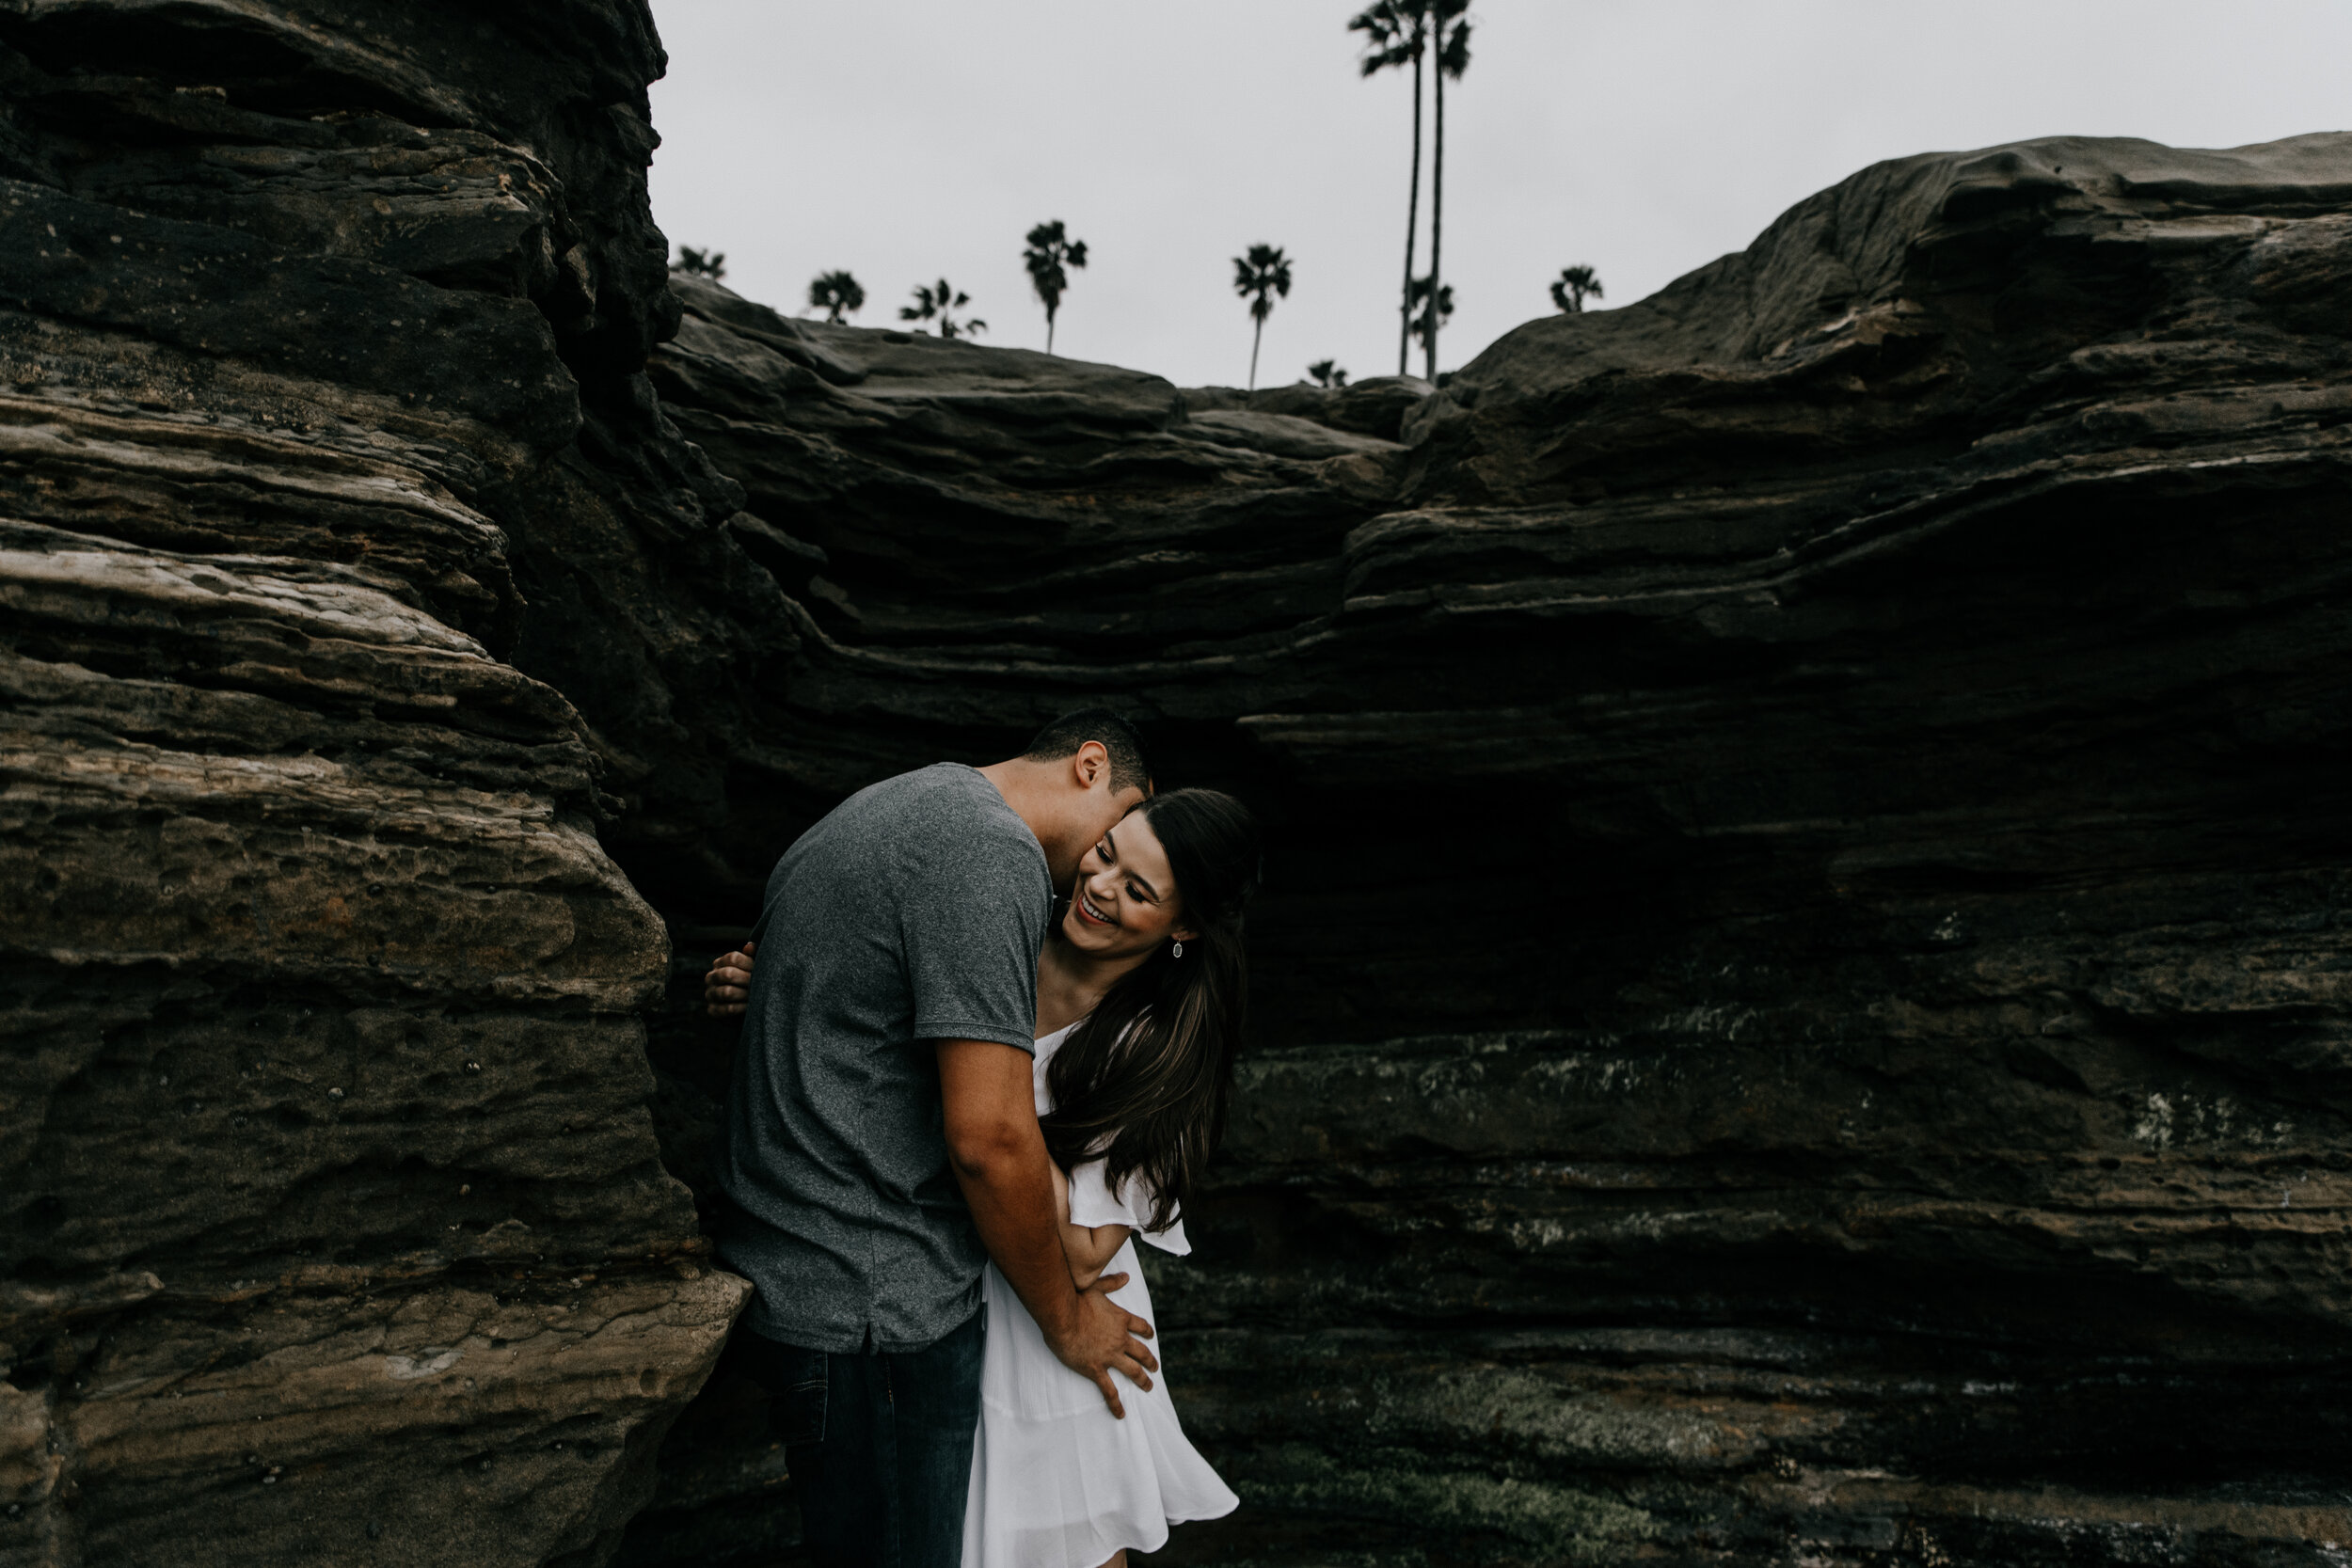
1059 1482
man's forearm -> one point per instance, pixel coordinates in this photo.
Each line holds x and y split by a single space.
1011 1191
998 1155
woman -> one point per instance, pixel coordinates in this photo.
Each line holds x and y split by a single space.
1142 992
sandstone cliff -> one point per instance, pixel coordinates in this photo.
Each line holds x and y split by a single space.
1803 974
333 1226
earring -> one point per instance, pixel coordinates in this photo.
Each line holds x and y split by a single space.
1177 951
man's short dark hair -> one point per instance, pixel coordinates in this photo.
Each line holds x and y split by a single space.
1130 769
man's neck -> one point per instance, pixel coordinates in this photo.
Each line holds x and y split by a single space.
1021 782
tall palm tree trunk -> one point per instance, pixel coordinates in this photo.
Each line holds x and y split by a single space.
1412 232
1255 338
1049 331
1436 212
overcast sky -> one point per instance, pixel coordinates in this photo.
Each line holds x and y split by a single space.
904 139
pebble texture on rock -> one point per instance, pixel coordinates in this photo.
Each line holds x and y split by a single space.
1803 1002
332 1223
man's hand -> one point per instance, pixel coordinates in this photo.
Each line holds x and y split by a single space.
998 1155
727 988
1107 1338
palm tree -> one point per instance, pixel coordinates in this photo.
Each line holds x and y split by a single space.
937 303
1450 45
1049 251
1425 325
835 294
1575 285
703 263
1327 373
1395 32
1258 278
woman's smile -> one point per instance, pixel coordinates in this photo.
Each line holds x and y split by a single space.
1124 902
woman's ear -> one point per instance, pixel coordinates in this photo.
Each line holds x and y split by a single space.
1184 933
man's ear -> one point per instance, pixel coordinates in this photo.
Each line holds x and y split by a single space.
1092 766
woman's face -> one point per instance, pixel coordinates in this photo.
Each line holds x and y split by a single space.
1125 900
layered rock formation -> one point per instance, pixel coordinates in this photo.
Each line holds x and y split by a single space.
1801 1011
332 1226
1800 984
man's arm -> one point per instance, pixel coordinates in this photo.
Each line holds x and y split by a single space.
998 1155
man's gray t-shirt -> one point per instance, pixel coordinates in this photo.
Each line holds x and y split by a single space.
912 913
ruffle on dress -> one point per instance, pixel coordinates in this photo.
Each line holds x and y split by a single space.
1093 1203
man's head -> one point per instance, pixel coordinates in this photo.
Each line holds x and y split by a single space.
1082 773
1121 747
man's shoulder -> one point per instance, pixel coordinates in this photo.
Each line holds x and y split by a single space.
958 804
917 796
945 808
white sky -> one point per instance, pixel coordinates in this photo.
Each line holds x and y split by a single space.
907 138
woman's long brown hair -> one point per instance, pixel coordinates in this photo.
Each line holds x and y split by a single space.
1145 1081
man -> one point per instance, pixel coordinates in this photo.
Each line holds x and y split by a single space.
880 1138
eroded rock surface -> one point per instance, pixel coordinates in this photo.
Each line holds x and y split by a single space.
1802 1001
1802 1007
332 1223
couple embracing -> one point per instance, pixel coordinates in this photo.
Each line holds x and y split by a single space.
956 1104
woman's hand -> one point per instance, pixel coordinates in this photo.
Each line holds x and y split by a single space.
1090 1249
727 988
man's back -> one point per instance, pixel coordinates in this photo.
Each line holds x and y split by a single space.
912 913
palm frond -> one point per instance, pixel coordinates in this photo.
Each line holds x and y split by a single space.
1260 275
1380 23
1051 252
1453 49
1574 286
835 292
1394 32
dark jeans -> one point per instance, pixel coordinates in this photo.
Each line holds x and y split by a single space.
880 1445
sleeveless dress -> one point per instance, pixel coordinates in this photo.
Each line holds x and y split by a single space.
1057 1480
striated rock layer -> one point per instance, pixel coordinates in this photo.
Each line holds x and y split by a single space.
1803 1003
1803 977
332 1222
